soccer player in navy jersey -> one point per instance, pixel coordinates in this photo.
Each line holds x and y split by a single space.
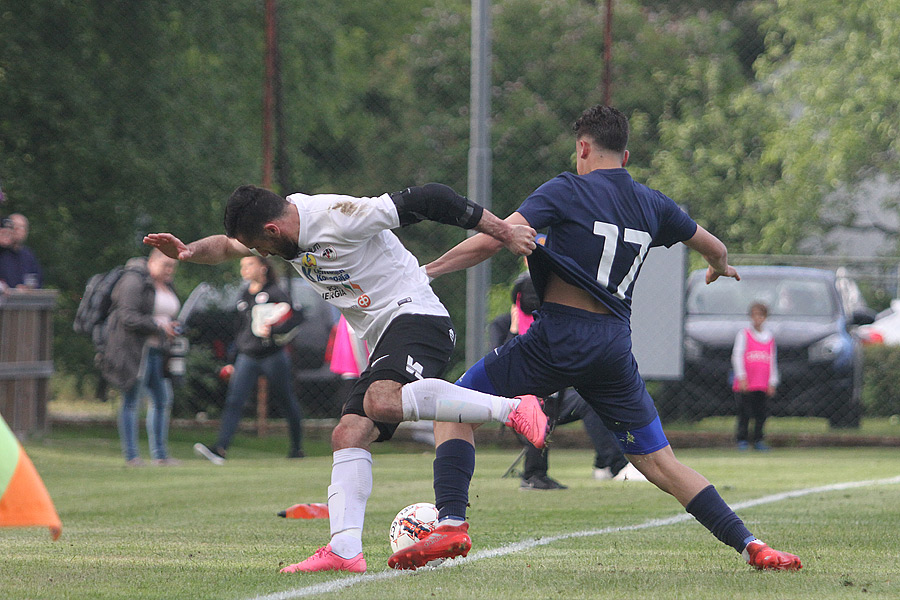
600 224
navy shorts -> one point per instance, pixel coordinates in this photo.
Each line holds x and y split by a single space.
569 347
412 347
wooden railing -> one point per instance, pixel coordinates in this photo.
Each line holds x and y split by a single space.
26 358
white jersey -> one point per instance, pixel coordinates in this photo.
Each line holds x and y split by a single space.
354 261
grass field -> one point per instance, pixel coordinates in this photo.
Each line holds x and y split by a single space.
199 531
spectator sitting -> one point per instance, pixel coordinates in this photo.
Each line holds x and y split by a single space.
18 266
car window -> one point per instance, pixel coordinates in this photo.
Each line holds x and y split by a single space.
787 297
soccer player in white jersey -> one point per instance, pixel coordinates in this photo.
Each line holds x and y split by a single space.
344 247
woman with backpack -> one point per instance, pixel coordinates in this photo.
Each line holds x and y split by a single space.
140 326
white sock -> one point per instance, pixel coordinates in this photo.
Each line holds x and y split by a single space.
351 485
439 400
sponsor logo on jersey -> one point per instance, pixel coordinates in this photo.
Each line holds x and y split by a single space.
404 301
413 368
308 261
452 336
333 293
364 301
329 252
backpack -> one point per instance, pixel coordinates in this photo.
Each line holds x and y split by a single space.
90 318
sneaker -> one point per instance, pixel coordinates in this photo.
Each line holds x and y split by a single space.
446 541
759 555
743 446
603 474
762 446
541 482
629 473
529 420
324 559
210 455
296 454
135 462
166 462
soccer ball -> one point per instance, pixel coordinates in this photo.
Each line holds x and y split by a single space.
412 524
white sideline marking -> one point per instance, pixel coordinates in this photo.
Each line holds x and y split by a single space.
345 582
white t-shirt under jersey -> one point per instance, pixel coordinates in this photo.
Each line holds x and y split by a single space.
355 262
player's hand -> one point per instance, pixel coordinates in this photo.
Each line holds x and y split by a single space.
521 240
712 274
169 245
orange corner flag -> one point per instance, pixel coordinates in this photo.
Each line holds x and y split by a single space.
24 501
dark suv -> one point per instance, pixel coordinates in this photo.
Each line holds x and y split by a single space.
211 323
819 360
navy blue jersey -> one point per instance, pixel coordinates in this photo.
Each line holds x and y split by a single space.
599 229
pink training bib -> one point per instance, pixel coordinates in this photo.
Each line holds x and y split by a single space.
757 363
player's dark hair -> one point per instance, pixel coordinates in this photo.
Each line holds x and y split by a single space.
248 210
607 126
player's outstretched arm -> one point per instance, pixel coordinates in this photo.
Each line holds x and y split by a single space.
209 250
715 253
477 248
515 233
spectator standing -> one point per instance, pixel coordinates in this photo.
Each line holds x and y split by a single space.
141 325
6 258
18 265
755 362
261 350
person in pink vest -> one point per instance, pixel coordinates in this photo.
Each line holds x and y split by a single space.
755 363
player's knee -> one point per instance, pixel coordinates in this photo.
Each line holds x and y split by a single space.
353 431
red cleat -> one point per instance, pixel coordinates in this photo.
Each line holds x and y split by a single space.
445 541
759 555
324 559
529 419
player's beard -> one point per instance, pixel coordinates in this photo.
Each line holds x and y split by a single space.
287 248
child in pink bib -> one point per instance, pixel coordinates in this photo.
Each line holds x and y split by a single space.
755 364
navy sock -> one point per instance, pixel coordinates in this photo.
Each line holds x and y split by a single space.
712 512
454 465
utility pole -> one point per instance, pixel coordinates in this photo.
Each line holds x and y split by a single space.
607 55
478 278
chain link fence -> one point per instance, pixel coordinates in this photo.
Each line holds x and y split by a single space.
832 363
144 116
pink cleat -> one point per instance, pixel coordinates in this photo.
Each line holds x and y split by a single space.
325 560
445 541
529 419
759 555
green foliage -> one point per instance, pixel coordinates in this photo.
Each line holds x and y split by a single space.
120 118
881 390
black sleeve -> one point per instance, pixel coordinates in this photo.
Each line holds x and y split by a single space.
436 202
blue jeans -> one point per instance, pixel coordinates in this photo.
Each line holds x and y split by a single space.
151 380
277 369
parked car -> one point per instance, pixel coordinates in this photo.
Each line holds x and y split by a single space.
819 359
885 329
211 321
